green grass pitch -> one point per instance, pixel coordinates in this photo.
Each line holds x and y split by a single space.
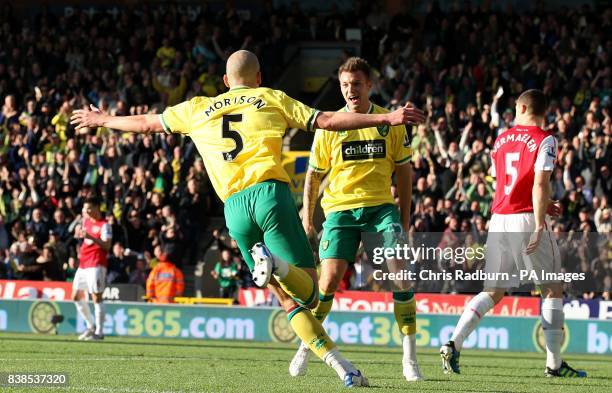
138 365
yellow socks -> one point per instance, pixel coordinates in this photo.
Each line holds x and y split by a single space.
310 331
296 282
404 308
324 307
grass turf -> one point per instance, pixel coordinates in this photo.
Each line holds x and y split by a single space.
138 365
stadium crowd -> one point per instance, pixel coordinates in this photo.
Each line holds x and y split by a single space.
465 66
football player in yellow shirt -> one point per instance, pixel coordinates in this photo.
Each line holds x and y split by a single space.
358 199
239 136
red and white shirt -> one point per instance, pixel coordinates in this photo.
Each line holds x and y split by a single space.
92 255
517 154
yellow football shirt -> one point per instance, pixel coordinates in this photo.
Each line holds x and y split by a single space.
360 163
239 134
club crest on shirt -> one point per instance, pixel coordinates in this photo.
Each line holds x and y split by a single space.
324 245
383 130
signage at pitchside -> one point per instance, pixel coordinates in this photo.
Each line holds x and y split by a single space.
61 290
434 303
270 325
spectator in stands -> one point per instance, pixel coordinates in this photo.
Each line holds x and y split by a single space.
49 264
4 266
226 274
119 263
4 235
59 247
165 282
9 115
70 269
138 275
135 231
192 205
38 228
59 225
27 257
603 222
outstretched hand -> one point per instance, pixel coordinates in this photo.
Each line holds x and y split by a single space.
87 118
408 114
554 209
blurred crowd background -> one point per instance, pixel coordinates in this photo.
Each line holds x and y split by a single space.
464 66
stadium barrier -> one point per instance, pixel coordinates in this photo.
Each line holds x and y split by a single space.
434 303
61 290
270 325
437 303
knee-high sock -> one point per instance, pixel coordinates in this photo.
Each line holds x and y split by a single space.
474 311
326 300
314 336
83 308
404 309
552 323
295 281
310 331
99 312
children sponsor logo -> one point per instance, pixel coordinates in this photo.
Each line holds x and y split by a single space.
363 150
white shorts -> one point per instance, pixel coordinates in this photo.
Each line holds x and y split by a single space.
90 279
508 236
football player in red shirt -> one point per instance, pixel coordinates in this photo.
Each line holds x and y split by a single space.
91 274
519 238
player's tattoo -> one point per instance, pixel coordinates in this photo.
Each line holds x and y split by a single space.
311 192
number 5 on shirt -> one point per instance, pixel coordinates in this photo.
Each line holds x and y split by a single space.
228 133
511 170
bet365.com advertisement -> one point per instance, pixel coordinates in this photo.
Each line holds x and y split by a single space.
270 325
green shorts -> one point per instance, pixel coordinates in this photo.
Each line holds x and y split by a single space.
266 213
342 230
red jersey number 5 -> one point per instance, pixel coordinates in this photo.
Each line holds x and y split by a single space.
511 171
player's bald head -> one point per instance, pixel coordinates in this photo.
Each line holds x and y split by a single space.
242 68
